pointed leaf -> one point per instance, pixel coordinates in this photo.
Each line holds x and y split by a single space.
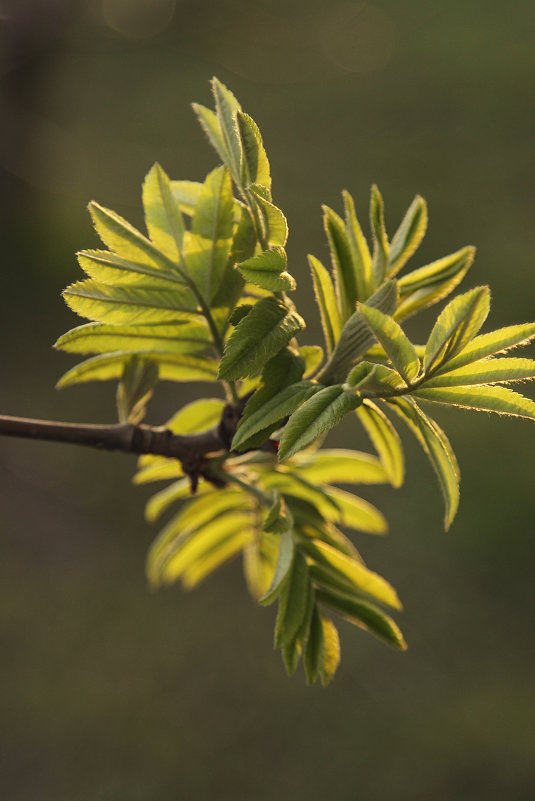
456 325
135 389
331 650
486 371
317 415
396 344
342 261
365 615
358 574
284 563
210 125
275 222
128 304
408 236
438 449
268 271
103 338
381 250
385 440
354 512
313 656
186 195
255 161
492 343
427 285
484 398
339 466
326 300
163 217
362 260
268 328
292 601
227 108
108 268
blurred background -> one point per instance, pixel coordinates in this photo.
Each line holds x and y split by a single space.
113 692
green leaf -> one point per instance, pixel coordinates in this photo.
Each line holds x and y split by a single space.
227 108
259 558
108 268
282 569
485 371
364 615
339 466
292 601
161 469
313 655
331 650
209 243
103 338
128 304
210 125
199 415
317 415
268 271
273 411
357 573
135 389
374 379
268 328
274 220
190 517
356 336
396 344
326 300
362 261
125 240
427 285
171 366
381 250
492 343
279 517
163 217
385 440
483 398
353 512
293 648
186 195
255 167
456 325
342 262
438 449
410 233
215 557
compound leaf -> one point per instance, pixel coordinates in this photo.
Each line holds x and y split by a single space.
492 343
104 337
399 348
483 398
456 325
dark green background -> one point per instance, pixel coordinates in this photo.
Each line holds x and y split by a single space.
112 692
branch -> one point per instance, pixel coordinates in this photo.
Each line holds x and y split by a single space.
189 449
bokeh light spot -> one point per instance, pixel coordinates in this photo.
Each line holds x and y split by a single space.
138 19
357 37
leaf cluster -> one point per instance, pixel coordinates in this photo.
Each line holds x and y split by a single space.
205 295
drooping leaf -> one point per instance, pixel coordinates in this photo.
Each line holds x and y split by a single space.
259 559
163 217
485 371
326 300
492 343
357 573
331 650
353 512
317 415
209 243
338 466
268 328
385 440
427 285
103 338
366 615
255 166
214 557
408 236
356 336
438 449
292 601
171 367
268 271
396 344
381 249
274 221
482 398
362 260
128 304
313 656
284 563
342 261
293 648
456 325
